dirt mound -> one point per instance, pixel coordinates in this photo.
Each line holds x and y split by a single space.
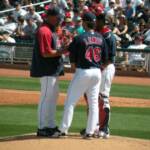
74 142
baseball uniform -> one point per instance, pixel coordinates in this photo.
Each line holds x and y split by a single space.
87 52
107 77
47 69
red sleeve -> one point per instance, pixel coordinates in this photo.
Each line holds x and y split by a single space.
45 40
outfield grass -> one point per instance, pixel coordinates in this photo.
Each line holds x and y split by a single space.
119 90
129 122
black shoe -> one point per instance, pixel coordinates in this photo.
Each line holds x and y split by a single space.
63 135
55 129
48 132
44 132
88 136
82 132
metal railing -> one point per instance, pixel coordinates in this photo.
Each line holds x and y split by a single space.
26 6
22 53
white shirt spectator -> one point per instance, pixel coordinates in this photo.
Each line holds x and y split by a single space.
33 15
134 57
9 50
105 3
137 2
10 40
18 13
30 29
9 27
36 17
62 4
123 3
110 11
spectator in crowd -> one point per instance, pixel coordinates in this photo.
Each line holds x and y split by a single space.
137 3
122 31
81 5
123 3
5 4
110 11
30 28
62 4
105 3
9 24
123 28
146 14
124 17
136 58
19 32
18 11
116 32
34 15
78 26
69 13
76 14
68 24
5 37
142 24
26 2
135 30
147 4
129 10
140 11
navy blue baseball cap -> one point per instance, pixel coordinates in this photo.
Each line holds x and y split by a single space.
89 17
53 11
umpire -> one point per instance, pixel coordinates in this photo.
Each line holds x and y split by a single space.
47 64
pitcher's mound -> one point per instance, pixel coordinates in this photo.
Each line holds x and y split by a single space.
73 142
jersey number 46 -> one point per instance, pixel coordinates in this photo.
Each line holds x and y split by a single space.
93 53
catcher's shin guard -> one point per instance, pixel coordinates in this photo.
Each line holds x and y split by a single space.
104 114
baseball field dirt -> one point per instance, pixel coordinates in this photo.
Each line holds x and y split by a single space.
32 97
73 142
68 76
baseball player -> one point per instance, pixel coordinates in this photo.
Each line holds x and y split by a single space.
108 71
47 64
87 52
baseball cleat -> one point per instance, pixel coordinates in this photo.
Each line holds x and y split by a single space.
88 136
63 135
48 132
104 135
45 132
58 133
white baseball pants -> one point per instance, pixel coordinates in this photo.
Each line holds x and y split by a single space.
48 100
84 81
107 77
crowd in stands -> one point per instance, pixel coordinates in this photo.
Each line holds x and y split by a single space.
128 19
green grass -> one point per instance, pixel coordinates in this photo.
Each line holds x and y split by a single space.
120 90
129 122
